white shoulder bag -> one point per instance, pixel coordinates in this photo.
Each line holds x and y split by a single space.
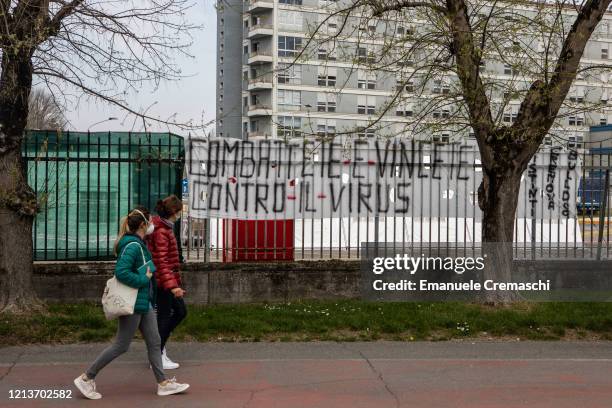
118 298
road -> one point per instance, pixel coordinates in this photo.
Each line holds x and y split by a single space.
320 374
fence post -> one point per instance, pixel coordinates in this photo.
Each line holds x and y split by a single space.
603 213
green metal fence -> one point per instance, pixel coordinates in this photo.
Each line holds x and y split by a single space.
86 182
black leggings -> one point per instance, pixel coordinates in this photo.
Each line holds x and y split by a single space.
170 312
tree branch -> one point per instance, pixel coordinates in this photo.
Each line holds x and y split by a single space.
384 6
66 10
543 101
468 72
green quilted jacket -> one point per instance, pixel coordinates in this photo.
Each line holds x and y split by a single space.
126 271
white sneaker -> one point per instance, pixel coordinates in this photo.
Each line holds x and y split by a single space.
167 363
87 387
171 387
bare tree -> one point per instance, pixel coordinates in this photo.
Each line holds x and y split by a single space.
44 113
98 49
445 45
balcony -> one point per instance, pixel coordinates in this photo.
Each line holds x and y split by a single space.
260 56
260 30
261 82
260 110
259 135
260 5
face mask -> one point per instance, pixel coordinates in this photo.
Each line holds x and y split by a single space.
150 229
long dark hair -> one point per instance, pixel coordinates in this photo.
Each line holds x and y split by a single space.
131 223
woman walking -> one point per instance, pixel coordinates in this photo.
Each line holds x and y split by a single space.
162 243
133 253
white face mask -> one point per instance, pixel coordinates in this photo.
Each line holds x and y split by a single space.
150 229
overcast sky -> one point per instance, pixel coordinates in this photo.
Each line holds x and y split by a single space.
192 97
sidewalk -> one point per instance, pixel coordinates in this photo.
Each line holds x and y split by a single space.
294 375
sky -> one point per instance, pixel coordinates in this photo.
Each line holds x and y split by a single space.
192 97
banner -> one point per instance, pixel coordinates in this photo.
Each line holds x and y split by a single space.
273 179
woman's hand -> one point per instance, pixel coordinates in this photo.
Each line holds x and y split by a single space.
178 292
149 274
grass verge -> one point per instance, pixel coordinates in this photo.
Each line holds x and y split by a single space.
347 320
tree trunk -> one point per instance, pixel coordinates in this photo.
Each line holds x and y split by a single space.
16 289
17 200
498 199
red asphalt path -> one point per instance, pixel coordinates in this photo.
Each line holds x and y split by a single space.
295 375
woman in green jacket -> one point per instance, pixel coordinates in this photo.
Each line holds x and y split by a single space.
131 249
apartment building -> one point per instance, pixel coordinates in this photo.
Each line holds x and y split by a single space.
275 82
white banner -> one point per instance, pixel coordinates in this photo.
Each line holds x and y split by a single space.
271 179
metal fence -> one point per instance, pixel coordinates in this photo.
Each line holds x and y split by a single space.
586 235
86 182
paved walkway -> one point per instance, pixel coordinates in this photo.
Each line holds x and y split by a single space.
352 375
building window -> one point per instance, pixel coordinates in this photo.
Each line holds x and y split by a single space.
289 126
577 95
407 86
441 87
575 142
332 24
290 19
604 53
289 46
289 100
508 69
405 61
326 76
326 55
404 109
603 120
326 102
365 56
366 104
365 132
326 128
510 117
441 114
291 2
577 120
443 138
366 80
290 74
329 24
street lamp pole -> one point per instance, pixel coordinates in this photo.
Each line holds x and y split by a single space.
102 121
